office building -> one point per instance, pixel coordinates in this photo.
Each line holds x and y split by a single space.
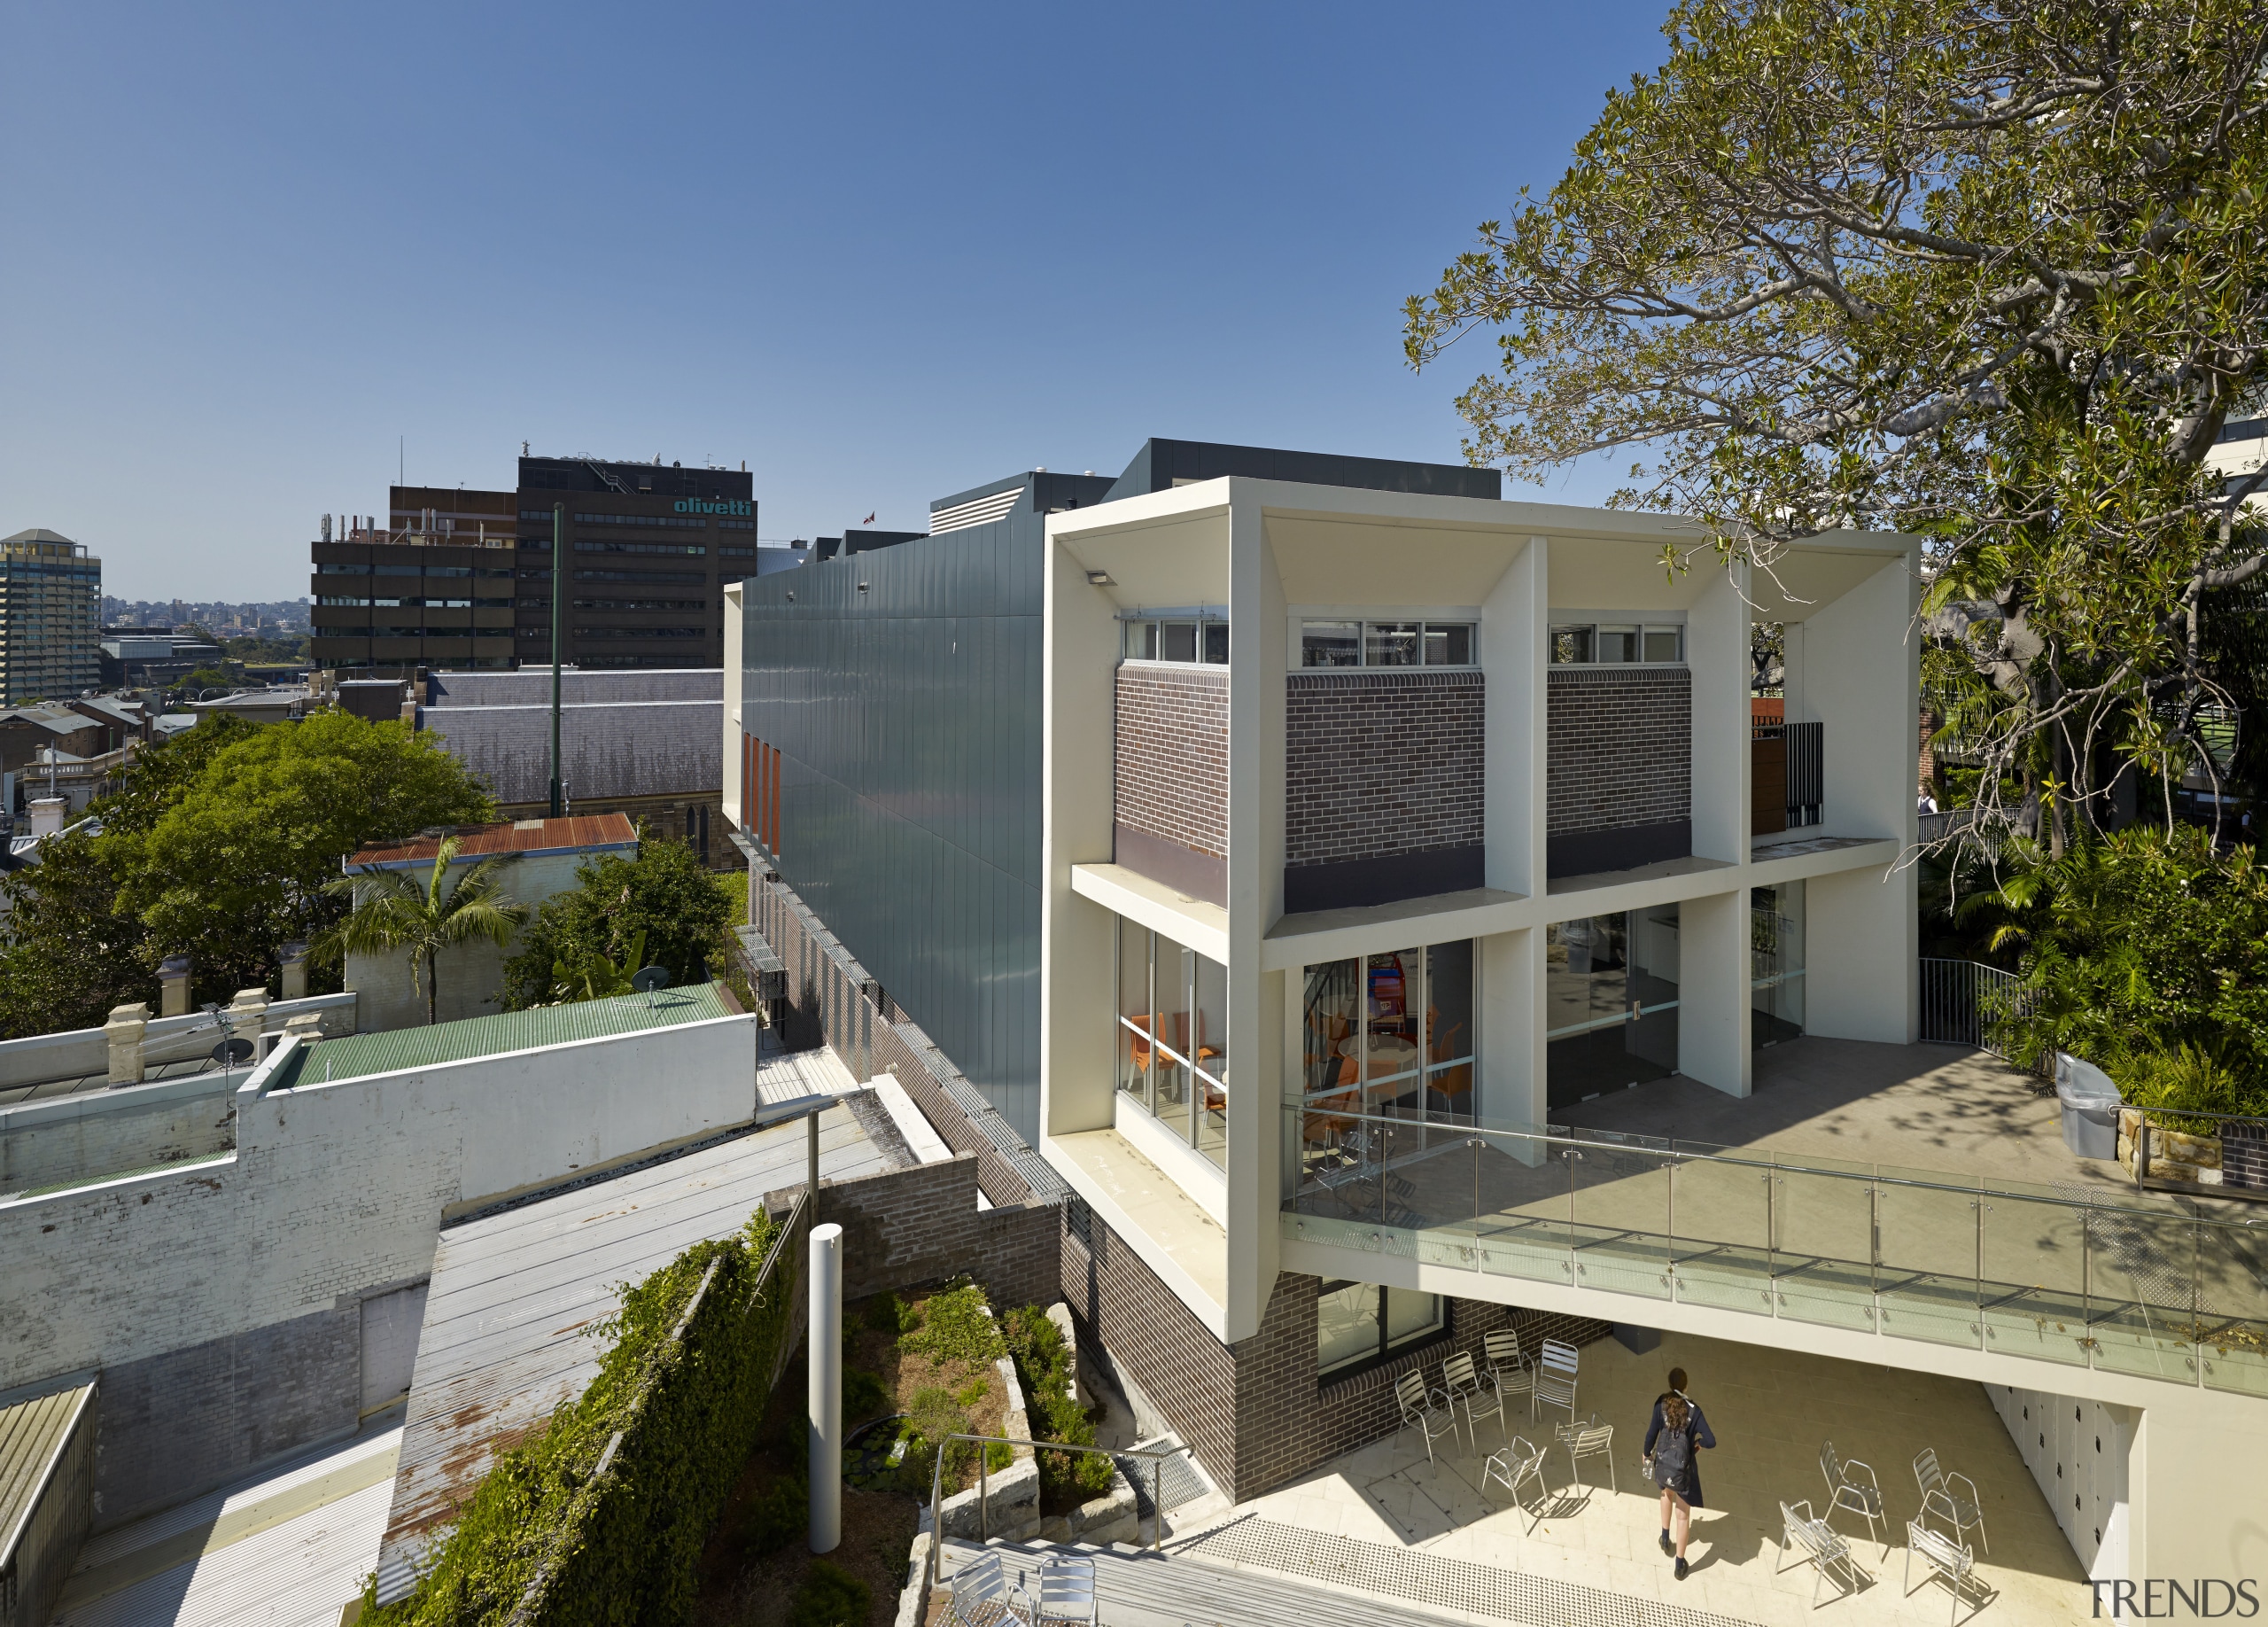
460 579
50 615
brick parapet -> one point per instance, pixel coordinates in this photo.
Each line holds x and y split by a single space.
1377 763
1621 747
1170 754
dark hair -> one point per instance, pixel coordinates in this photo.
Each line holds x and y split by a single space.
1673 1411
1677 1379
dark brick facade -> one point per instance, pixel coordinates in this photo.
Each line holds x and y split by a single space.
1619 767
922 1224
1171 750
1383 785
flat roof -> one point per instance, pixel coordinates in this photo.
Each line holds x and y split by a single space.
527 837
355 1056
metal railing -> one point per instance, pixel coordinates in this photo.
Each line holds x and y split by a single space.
2092 1277
1804 765
1156 1455
1963 1002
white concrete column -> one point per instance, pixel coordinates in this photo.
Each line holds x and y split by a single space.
824 1345
1508 1017
1713 1010
123 1034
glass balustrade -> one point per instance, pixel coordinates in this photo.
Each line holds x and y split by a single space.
2082 1278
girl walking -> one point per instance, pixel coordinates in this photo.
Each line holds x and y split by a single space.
1675 1438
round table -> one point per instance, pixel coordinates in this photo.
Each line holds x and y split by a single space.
1390 1053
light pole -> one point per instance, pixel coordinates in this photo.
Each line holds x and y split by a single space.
558 548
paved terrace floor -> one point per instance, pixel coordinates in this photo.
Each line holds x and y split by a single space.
1385 1520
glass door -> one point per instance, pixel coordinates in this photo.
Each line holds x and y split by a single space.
1610 992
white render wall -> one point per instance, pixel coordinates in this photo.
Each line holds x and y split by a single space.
336 1190
471 976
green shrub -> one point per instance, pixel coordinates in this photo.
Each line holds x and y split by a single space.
864 1397
954 1327
781 1514
2172 1080
1043 1367
829 1597
886 1313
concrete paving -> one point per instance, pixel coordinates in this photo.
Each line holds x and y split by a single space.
1771 1411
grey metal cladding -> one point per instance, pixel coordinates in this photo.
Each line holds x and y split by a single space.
907 718
531 685
654 748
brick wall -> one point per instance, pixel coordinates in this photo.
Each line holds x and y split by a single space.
920 1225
1381 762
1621 747
1172 779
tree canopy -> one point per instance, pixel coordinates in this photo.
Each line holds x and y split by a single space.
219 846
1991 273
587 939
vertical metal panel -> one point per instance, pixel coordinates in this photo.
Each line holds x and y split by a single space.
908 718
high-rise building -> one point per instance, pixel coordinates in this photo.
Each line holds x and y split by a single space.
50 618
462 579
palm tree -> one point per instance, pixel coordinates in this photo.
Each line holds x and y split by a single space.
392 913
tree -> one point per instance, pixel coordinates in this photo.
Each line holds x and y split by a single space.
1997 276
392 912
219 845
664 893
584 972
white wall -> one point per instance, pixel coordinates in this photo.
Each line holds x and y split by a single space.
470 977
338 1188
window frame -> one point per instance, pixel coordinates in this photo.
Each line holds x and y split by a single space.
1389 1348
1419 623
1190 1130
1594 625
1149 625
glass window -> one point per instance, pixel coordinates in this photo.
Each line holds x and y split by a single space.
1571 646
1390 644
1449 1028
1177 642
1776 940
1449 643
1611 994
1331 1023
1665 644
1171 1045
1359 1322
1216 643
1618 644
1394 1000
1331 643
1210 1004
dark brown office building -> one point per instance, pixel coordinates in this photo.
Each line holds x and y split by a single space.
461 579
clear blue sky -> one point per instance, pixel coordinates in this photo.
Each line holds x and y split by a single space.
882 253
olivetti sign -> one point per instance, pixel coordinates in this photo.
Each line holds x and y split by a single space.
695 505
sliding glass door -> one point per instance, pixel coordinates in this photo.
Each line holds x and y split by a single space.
1611 992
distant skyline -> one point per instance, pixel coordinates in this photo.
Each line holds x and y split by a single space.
882 253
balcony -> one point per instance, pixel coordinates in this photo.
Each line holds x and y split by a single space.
2077 1275
1787 776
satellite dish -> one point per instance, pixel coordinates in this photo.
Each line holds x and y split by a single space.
649 978
232 1053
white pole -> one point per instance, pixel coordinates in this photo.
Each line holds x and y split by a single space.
825 1347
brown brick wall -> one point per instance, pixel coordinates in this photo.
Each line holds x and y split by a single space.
1621 747
1172 778
905 1228
1381 762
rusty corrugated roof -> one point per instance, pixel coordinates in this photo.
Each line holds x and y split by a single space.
577 833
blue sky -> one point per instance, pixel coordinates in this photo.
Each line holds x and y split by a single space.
881 252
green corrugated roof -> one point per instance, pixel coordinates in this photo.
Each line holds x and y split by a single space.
354 1057
31 1434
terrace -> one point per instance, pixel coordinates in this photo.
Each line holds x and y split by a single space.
1899 1191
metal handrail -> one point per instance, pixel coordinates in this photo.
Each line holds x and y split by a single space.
1156 1455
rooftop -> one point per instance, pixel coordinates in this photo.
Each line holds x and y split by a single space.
589 833
355 1056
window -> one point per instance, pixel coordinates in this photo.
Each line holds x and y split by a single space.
342 570
448 570
675 579
1386 643
644 521
1361 1323
1193 636
584 632
1775 977
582 547
1394 1031
639 605
1173 1036
735 551
397 570
1582 644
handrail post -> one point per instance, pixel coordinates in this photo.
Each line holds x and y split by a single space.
983 1495
1157 1502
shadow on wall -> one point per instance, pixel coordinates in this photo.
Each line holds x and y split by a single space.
802 1025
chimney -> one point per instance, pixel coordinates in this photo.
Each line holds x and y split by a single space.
172 985
123 1032
293 979
246 1016
47 815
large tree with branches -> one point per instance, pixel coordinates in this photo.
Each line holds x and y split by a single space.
1996 274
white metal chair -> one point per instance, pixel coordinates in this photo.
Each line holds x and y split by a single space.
1821 1546
1512 1373
1555 1376
1937 1498
1463 1381
1428 1409
1066 1590
1847 1489
1512 1468
1949 1560
984 1597
1590 1440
